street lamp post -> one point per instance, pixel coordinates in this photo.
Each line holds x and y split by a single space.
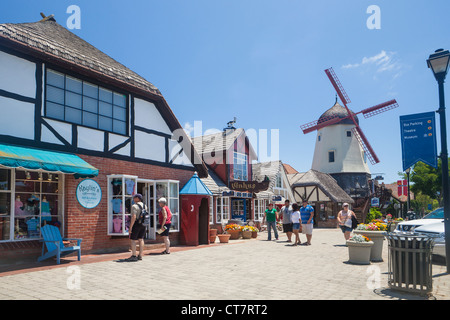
439 63
409 194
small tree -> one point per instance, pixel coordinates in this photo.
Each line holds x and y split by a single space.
374 213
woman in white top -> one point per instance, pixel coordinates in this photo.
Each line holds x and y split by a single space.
344 219
296 225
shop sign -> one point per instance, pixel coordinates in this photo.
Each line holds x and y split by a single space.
89 193
251 186
375 202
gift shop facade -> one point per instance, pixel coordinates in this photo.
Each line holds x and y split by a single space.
241 188
79 135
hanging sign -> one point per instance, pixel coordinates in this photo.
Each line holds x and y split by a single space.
89 193
375 202
418 136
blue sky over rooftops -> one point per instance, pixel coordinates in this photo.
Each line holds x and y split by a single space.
263 61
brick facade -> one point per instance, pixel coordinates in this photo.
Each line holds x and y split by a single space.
91 224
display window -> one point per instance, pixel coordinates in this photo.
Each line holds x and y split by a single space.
121 189
28 201
222 210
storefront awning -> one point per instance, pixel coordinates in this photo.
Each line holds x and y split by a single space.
34 159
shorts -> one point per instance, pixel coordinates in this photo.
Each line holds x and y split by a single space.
307 228
346 229
287 227
296 226
137 232
166 232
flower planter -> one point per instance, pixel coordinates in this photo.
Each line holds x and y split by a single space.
254 234
376 254
359 252
212 232
212 239
235 234
223 238
247 234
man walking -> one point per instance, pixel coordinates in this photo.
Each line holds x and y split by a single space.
306 215
286 213
137 229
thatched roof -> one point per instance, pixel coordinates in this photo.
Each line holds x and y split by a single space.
328 189
54 40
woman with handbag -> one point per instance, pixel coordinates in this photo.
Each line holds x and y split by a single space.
344 219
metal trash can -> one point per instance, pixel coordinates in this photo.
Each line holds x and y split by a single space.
410 267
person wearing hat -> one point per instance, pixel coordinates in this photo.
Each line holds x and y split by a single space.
165 221
137 229
344 219
306 216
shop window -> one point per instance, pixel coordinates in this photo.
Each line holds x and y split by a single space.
240 167
5 204
169 190
121 189
76 101
222 210
28 201
260 208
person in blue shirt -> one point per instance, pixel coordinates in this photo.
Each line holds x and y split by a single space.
306 216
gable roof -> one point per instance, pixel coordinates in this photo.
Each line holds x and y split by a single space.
220 141
326 183
52 39
52 43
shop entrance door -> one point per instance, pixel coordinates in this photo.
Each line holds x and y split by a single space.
239 209
147 189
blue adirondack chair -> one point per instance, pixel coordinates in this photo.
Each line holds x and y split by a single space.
54 243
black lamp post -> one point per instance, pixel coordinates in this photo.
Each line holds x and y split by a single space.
439 62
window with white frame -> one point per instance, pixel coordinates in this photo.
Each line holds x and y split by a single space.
279 181
260 208
211 210
240 166
222 209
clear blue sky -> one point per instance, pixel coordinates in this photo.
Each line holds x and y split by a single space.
263 61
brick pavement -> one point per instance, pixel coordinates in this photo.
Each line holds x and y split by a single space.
241 270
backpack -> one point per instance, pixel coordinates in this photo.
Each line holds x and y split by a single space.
144 216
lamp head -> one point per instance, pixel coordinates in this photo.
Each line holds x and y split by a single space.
439 62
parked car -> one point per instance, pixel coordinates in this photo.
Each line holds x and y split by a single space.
437 231
410 225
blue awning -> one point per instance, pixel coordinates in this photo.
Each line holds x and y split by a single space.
195 186
35 159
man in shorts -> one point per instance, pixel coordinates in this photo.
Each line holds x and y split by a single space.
137 229
306 215
286 212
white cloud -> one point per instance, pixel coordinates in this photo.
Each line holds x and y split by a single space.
189 129
383 61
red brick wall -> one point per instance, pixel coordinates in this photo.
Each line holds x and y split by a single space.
91 224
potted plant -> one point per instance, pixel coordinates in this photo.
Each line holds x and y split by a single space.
212 235
359 249
234 230
247 232
375 230
255 232
224 237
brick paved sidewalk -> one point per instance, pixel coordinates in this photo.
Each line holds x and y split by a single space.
254 269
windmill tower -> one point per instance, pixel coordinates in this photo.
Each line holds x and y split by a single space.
342 150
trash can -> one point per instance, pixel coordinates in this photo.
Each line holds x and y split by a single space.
410 268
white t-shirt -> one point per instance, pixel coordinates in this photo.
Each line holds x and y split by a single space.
295 217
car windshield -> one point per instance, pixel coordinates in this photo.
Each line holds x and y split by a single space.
436 214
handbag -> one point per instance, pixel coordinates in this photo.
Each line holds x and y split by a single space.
354 222
348 223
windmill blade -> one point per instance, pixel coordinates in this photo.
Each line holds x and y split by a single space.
316 125
383 107
337 86
365 145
